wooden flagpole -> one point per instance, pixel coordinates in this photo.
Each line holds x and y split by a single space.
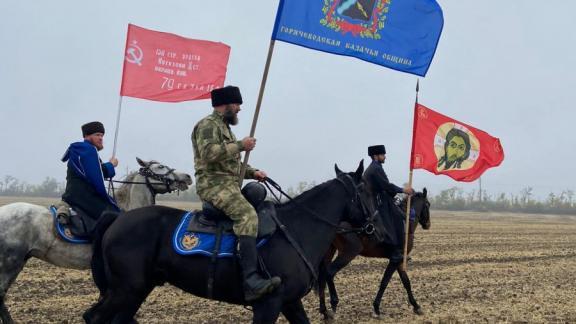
407 226
257 111
117 126
120 99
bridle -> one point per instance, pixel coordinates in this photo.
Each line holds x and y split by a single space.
368 227
148 174
342 178
350 187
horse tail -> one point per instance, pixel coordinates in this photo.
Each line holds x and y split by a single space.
97 263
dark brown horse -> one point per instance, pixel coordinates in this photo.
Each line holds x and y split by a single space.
351 245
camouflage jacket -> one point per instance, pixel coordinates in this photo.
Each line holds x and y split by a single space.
216 154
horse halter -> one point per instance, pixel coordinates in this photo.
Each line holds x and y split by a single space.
148 174
368 226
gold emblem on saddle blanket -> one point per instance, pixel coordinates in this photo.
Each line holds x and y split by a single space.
190 241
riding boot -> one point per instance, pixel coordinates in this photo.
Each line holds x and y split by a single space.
254 285
63 213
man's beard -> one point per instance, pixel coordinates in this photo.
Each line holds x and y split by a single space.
230 117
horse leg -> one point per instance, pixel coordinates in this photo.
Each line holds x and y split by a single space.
390 269
117 306
295 312
351 247
104 310
322 274
12 261
406 282
5 317
267 309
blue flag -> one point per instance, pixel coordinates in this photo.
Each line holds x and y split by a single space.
398 34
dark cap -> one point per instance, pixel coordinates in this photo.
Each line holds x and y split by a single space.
376 149
225 96
91 128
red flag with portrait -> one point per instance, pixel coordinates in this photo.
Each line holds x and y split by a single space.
166 67
443 145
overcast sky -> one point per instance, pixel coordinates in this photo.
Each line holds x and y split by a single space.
506 67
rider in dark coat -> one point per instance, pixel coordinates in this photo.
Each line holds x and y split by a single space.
383 192
85 189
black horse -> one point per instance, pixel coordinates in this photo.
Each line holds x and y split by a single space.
351 245
138 255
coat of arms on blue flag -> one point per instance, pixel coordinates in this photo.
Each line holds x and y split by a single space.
398 34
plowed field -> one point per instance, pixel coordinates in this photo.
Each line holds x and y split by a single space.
469 267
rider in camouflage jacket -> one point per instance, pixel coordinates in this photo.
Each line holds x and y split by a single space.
217 164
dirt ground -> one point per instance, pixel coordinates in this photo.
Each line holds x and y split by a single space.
469 267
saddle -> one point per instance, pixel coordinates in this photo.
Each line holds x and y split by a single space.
63 225
75 220
212 220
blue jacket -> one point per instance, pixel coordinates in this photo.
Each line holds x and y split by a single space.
85 187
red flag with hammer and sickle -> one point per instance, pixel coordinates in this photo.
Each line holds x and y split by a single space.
166 67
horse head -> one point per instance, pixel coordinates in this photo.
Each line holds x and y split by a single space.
161 178
421 206
360 213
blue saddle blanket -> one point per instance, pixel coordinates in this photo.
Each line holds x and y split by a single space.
186 242
64 232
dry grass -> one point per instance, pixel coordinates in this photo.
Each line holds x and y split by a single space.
469 267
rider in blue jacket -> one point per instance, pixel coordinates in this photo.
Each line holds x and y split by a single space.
85 189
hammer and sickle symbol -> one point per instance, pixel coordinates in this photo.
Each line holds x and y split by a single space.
134 54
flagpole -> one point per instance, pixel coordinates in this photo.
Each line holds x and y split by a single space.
480 192
257 112
407 225
117 126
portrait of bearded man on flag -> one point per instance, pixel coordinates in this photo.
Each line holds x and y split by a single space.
456 150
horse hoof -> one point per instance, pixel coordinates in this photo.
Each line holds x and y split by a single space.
329 316
418 311
334 306
376 315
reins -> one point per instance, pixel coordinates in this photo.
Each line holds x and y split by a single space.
271 183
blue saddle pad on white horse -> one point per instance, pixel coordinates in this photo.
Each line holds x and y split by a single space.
187 242
64 232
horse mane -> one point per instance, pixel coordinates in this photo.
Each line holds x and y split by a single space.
303 196
122 192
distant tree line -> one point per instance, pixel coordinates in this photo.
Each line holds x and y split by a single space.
50 187
449 199
456 199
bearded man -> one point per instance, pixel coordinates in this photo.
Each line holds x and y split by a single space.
217 168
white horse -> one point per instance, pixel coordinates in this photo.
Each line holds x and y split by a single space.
27 230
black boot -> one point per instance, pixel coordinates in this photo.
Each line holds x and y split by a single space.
254 285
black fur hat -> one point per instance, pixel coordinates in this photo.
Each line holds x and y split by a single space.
91 128
376 149
226 95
